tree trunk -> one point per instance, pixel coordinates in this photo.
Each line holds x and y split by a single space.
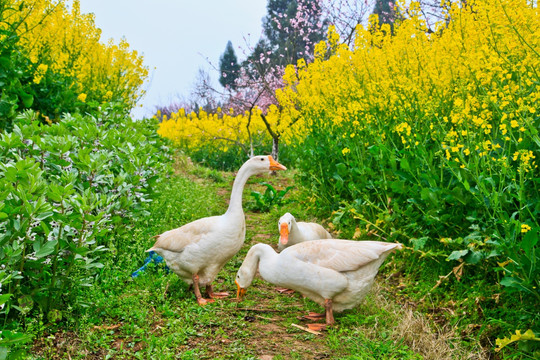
275 147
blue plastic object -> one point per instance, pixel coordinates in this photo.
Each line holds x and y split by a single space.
152 257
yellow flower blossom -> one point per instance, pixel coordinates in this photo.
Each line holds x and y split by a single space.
40 72
474 111
63 41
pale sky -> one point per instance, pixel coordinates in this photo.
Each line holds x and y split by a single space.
176 37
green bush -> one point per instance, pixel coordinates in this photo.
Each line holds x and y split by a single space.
67 191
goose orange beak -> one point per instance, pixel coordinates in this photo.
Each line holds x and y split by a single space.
240 292
274 165
284 234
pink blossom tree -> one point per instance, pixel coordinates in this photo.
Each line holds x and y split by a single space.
290 31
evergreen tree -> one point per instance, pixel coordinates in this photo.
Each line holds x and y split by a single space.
228 68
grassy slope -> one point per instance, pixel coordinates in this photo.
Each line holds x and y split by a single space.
156 316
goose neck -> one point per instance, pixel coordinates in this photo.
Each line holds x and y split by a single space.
294 232
235 204
251 263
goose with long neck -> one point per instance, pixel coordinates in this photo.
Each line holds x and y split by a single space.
197 251
334 273
294 232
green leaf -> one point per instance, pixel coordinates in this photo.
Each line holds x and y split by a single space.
511 282
419 244
374 149
339 181
428 194
473 257
44 215
46 249
466 185
405 164
17 224
342 169
398 186
529 241
458 254
4 298
27 99
11 338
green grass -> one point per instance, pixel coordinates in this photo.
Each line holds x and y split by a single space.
156 316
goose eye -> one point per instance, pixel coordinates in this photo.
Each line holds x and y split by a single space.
262 159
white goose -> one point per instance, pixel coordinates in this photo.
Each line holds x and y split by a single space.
292 232
197 251
334 273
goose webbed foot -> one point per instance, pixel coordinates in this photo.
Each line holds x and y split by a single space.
202 301
217 295
317 327
328 316
313 316
285 291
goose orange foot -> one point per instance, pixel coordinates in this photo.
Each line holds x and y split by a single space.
217 295
313 316
317 327
203 301
285 291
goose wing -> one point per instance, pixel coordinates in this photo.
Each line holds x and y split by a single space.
313 231
340 255
177 239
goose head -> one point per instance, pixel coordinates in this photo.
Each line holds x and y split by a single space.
244 278
246 273
263 163
284 225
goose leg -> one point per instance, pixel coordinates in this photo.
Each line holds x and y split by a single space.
212 294
329 312
200 300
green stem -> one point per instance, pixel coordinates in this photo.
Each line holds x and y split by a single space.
55 260
72 257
